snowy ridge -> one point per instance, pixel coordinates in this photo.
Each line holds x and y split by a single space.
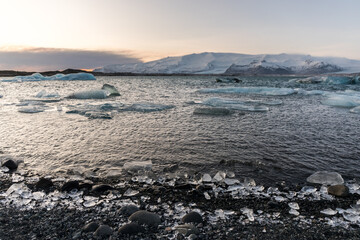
233 63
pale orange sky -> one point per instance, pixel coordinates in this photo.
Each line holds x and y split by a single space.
152 29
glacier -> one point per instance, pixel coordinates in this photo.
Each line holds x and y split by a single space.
235 63
57 77
270 91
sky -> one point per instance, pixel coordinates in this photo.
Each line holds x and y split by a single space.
59 34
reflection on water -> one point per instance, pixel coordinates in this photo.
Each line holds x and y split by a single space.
288 142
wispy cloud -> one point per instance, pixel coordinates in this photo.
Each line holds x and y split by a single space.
43 59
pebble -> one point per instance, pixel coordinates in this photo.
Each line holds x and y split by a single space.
127 210
103 231
90 227
338 190
44 184
10 164
101 188
193 217
145 217
68 186
131 229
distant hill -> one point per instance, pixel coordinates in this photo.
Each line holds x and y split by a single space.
238 64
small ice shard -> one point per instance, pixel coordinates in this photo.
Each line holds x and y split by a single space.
249 182
90 203
207 196
328 211
206 178
326 178
235 104
44 94
4 169
294 205
294 212
219 176
280 199
136 166
220 214
130 192
229 181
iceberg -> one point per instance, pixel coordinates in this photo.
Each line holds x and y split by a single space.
268 91
57 77
355 110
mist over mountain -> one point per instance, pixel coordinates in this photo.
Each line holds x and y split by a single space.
234 63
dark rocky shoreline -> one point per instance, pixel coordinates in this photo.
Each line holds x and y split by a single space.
224 214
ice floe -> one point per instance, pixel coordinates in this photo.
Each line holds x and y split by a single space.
252 106
57 77
269 91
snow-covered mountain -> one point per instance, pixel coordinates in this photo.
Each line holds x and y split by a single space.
233 63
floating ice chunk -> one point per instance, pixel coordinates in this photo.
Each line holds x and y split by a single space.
33 109
147 107
294 212
44 94
130 192
91 94
251 90
236 104
328 211
60 77
342 100
111 89
136 166
311 92
294 205
326 178
328 80
206 178
17 188
219 176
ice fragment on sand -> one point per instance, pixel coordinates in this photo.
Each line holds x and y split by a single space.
249 213
326 178
280 199
206 178
219 176
294 205
294 212
308 190
33 109
17 178
230 181
351 217
207 196
38 195
328 211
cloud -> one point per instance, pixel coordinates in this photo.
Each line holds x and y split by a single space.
44 59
